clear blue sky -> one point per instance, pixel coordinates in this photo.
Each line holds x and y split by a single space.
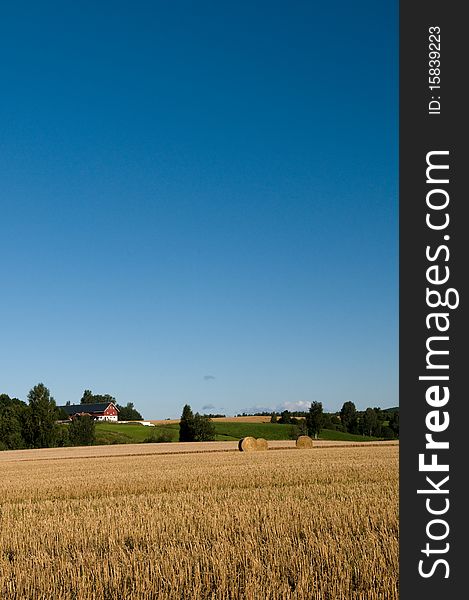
199 203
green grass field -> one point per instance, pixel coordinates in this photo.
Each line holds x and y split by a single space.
126 433
275 431
330 434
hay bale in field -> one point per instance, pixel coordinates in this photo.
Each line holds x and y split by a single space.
247 444
262 444
304 441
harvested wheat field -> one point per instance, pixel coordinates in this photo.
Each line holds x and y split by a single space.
301 524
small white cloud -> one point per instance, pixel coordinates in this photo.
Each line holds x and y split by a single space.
299 405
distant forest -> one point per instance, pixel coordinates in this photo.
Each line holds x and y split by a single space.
376 422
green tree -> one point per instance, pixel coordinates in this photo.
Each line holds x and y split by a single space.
297 429
63 438
82 431
6 401
186 425
349 417
195 428
129 413
285 418
314 419
273 417
90 398
87 397
203 429
104 398
394 423
370 422
11 430
41 430
13 414
388 433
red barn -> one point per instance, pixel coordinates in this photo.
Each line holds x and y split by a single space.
100 411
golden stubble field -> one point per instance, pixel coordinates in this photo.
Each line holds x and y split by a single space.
301 524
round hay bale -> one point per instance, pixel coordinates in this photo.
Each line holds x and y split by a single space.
304 441
247 444
262 444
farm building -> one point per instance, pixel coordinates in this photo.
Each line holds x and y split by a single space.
100 411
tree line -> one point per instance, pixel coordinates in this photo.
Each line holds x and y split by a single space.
34 424
373 422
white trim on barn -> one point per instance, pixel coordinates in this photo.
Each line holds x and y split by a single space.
107 418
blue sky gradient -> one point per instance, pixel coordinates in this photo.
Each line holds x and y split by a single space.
200 189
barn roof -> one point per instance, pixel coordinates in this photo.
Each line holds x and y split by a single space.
96 407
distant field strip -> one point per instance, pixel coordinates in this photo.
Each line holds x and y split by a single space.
246 419
161 448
